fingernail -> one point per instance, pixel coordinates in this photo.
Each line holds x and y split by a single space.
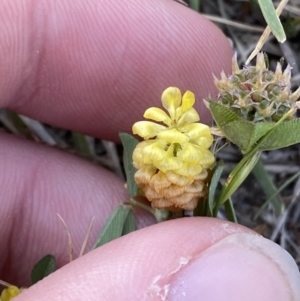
240 267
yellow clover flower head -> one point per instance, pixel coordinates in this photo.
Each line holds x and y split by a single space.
9 293
173 160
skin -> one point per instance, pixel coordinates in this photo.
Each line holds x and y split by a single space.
94 66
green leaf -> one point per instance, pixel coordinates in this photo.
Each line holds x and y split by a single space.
285 184
195 5
246 134
221 115
229 210
285 134
268 186
263 135
236 178
129 144
113 227
260 130
43 268
213 185
270 15
240 133
18 124
129 225
81 145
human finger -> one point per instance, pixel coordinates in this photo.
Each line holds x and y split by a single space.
185 259
37 183
94 66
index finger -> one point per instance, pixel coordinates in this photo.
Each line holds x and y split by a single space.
94 66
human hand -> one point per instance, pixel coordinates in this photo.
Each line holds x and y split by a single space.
95 66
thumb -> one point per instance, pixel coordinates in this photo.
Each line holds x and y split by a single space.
186 259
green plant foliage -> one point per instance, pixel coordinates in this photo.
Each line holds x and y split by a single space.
217 172
195 4
268 186
129 225
129 144
236 178
43 268
81 145
247 135
222 115
241 132
115 226
229 210
284 185
286 134
270 15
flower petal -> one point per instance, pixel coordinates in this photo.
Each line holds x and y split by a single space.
191 205
158 115
147 129
143 176
173 136
169 162
172 191
189 154
137 155
154 152
178 179
199 134
189 170
161 204
171 100
188 100
197 187
159 182
207 157
190 116
184 199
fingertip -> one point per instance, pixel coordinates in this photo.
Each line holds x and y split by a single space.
241 266
135 266
187 259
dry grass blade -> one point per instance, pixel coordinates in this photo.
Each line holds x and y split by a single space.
4 283
86 239
265 34
281 222
39 130
69 238
181 2
234 23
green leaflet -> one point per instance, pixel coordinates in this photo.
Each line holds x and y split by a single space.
268 186
43 268
270 15
129 225
241 132
129 144
236 178
246 134
115 226
284 185
221 114
286 134
229 210
213 185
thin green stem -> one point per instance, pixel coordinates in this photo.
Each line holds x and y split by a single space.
133 202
